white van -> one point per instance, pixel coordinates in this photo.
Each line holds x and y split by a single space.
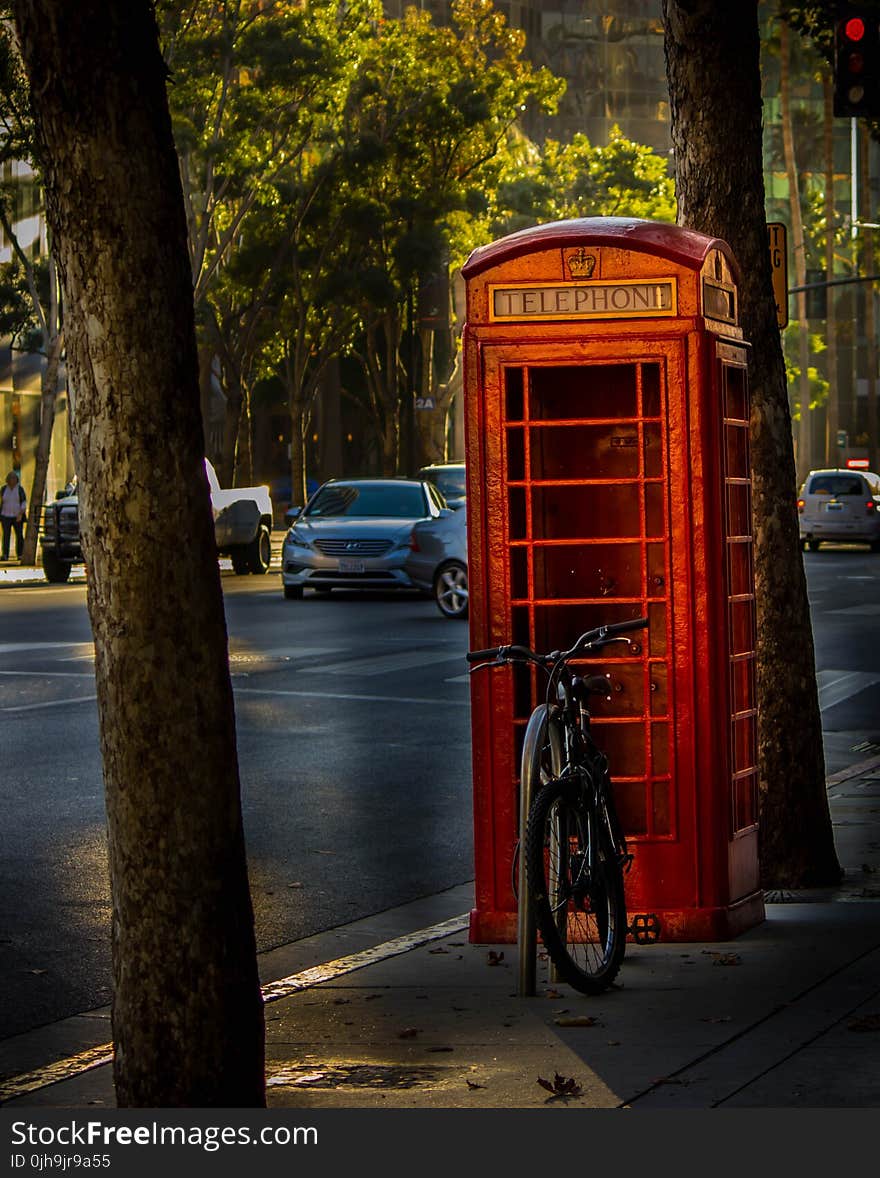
840 506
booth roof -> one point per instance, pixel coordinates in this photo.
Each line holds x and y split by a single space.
684 246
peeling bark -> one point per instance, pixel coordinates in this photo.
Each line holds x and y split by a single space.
187 1010
712 63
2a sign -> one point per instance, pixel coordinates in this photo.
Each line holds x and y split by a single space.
777 241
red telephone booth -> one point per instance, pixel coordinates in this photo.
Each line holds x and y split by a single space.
606 410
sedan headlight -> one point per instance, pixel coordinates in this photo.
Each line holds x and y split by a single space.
297 539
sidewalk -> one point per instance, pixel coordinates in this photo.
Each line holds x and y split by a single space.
404 1013
399 1011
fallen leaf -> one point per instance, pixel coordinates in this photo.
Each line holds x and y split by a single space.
37 972
474 1084
727 959
437 1050
409 1033
561 1086
724 1018
613 1042
552 994
341 1001
576 1020
494 958
370 997
436 951
295 885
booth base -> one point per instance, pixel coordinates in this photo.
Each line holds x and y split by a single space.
721 923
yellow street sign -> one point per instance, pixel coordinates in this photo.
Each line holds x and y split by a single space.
777 241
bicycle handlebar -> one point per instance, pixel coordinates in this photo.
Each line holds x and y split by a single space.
599 637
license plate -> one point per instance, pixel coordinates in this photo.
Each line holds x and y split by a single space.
351 566
834 507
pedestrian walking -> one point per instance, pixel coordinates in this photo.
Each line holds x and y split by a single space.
13 506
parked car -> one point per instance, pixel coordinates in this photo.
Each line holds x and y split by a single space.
840 506
449 479
438 562
354 533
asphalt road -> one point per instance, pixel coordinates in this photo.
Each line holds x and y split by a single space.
354 750
354 747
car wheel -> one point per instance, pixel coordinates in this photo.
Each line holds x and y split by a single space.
814 545
293 592
56 570
451 590
259 551
240 562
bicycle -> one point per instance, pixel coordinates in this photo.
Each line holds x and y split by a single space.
574 849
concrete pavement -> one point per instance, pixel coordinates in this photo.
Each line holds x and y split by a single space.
400 1011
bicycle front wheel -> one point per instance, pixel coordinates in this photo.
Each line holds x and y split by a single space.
576 889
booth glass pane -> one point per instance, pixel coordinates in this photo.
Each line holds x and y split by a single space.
651 402
653 446
655 516
742 635
661 817
632 810
585 391
624 745
513 394
585 452
742 675
745 801
739 510
656 569
744 750
737 443
658 689
519 573
588 570
735 399
739 567
516 513
558 626
519 626
660 749
657 630
579 512
516 456
626 682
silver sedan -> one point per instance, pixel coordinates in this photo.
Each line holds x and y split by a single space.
354 533
438 561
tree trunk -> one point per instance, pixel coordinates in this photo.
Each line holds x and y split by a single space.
868 266
712 61
832 418
231 424
298 473
187 1010
48 401
799 253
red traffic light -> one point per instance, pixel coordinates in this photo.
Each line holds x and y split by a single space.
854 28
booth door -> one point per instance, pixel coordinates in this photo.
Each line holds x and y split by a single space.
579 507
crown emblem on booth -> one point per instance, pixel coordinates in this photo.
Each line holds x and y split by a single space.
581 264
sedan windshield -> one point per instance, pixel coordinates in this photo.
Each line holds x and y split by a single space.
450 482
368 501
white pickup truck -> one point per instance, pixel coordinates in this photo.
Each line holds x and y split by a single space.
242 524
242 529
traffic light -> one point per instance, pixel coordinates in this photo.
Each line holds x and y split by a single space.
857 61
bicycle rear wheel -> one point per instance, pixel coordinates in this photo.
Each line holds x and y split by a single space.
580 911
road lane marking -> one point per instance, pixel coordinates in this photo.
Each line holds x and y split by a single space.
90 674
867 609
379 699
96 1057
837 686
51 703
